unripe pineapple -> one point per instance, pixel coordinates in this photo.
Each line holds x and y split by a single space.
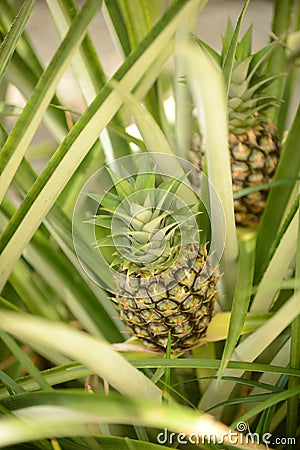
165 285
253 141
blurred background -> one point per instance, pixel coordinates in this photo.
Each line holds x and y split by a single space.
212 22
211 25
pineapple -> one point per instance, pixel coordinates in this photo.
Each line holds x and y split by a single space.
253 140
166 286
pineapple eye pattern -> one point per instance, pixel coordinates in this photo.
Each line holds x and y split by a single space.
254 143
137 233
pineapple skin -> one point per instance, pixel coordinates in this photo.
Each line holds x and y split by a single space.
254 156
178 303
253 140
165 280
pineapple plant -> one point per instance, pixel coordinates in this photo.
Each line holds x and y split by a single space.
253 139
166 285
247 374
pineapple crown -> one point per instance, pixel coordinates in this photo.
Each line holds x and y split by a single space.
247 79
144 223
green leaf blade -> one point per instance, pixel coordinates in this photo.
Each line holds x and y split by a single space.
241 298
11 39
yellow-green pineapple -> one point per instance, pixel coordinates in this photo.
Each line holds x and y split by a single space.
165 285
253 140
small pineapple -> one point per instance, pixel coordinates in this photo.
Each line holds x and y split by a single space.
253 141
166 286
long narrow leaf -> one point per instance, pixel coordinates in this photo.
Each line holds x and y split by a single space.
156 142
241 298
73 371
25 361
136 20
272 400
251 348
21 75
153 136
289 166
94 353
208 91
215 364
63 278
293 414
230 56
113 11
65 413
82 136
24 48
11 39
55 375
277 268
89 73
10 384
182 97
24 130
277 61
